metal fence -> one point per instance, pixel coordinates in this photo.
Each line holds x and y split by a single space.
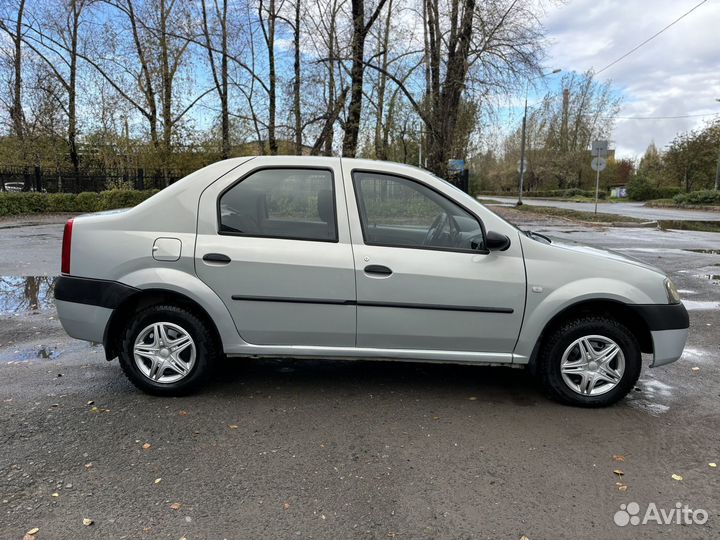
59 181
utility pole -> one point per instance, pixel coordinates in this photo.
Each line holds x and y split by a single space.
717 170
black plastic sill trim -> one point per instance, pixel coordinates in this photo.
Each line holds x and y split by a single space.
339 302
92 292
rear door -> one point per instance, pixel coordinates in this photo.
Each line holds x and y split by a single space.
273 243
420 283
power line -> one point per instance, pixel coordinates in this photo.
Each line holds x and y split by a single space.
663 117
611 64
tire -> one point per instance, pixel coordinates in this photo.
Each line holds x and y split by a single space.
178 373
564 352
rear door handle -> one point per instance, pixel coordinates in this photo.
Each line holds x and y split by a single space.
377 270
216 258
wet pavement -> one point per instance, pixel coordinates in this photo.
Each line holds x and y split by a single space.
326 449
630 209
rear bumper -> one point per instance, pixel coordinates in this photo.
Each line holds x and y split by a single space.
85 305
83 321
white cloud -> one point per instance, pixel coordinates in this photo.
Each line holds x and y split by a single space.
675 74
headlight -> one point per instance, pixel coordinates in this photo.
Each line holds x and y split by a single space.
672 293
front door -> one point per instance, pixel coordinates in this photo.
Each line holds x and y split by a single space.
273 243
421 281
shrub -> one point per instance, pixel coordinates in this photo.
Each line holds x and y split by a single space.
641 189
707 197
34 203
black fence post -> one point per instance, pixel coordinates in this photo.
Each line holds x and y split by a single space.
38 179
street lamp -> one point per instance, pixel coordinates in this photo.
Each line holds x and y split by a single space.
717 170
522 142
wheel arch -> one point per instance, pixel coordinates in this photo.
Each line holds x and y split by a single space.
620 311
112 336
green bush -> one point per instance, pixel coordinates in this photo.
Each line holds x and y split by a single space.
665 192
641 189
704 197
12 203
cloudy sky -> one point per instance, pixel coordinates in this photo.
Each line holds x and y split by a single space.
676 74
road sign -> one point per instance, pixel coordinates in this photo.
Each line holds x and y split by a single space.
520 167
598 164
456 166
599 149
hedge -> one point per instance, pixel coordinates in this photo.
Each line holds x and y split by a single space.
13 203
551 193
705 197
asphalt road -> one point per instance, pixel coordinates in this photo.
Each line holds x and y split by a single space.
325 449
630 209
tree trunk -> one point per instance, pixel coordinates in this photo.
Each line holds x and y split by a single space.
72 86
380 140
296 84
357 72
167 85
269 35
16 110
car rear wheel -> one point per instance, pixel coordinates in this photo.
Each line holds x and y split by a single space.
166 350
590 361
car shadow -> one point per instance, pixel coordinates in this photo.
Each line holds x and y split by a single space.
353 377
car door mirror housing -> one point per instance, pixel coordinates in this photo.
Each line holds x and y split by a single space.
496 242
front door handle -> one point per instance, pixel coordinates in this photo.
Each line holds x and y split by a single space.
377 270
216 258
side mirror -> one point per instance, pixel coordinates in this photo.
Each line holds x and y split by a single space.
496 241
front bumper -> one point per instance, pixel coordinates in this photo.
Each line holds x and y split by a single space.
668 325
668 345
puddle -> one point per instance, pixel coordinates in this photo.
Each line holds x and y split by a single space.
22 294
43 352
700 305
708 251
695 356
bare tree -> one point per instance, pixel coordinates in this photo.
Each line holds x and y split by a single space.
220 74
361 28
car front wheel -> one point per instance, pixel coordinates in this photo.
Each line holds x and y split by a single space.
591 361
166 350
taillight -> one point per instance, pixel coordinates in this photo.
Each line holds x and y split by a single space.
67 239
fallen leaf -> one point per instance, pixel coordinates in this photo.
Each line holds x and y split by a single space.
523 537
695 369
88 465
94 410
175 506
146 446
472 398
183 413
617 457
91 402
712 465
32 531
618 472
677 477
56 494
622 488
157 480
233 426
87 522
286 505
